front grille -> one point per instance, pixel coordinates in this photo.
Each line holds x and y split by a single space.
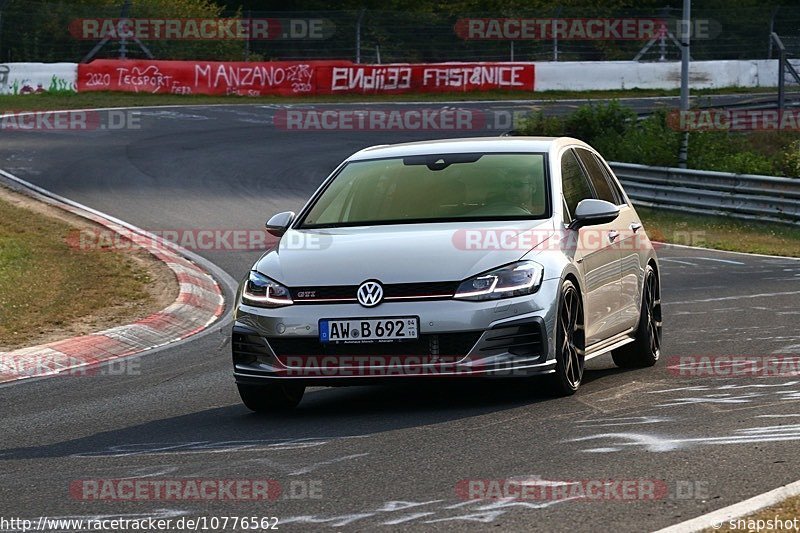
524 340
449 346
410 291
401 290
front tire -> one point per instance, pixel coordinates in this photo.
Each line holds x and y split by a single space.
271 397
570 342
646 349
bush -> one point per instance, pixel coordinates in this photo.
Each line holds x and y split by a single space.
727 152
600 121
646 142
37 31
538 125
790 160
616 133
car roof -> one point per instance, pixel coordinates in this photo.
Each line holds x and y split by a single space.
467 145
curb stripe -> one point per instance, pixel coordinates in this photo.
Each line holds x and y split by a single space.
199 304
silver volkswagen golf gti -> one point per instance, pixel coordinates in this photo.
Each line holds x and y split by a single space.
464 258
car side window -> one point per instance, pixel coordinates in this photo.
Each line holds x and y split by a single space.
574 183
613 182
597 176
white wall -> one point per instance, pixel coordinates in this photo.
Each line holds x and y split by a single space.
23 78
611 75
576 76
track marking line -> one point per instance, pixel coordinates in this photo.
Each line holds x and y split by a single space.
720 517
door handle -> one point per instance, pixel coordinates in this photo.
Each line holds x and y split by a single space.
612 235
635 226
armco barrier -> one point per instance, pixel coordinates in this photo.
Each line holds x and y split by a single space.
298 78
744 196
32 78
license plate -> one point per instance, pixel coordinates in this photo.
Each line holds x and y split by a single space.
358 330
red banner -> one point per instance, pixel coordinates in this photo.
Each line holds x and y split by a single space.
425 78
201 77
298 78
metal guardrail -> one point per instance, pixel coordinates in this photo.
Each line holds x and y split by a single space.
746 196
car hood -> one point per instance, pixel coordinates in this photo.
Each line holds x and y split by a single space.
399 253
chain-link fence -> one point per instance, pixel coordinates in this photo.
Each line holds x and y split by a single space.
37 30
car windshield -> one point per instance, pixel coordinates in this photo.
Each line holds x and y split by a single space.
433 188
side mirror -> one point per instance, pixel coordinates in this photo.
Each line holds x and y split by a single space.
278 224
590 212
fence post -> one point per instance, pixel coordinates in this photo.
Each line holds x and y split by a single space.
555 43
663 42
555 36
358 34
686 39
781 78
2 6
123 49
249 17
772 30
773 38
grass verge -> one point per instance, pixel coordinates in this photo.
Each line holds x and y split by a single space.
50 290
53 101
721 233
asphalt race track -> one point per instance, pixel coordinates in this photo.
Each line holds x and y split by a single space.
385 457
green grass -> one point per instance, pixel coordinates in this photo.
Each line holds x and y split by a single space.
721 233
52 101
46 285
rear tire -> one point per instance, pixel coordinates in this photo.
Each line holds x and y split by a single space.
570 342
271 397
646 349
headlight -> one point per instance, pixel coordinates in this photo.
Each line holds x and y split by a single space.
515 279
261 291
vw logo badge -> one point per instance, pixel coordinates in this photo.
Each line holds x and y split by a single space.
370 293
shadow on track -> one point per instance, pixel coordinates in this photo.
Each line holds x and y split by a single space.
325 414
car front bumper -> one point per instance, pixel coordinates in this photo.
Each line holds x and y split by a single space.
512 337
